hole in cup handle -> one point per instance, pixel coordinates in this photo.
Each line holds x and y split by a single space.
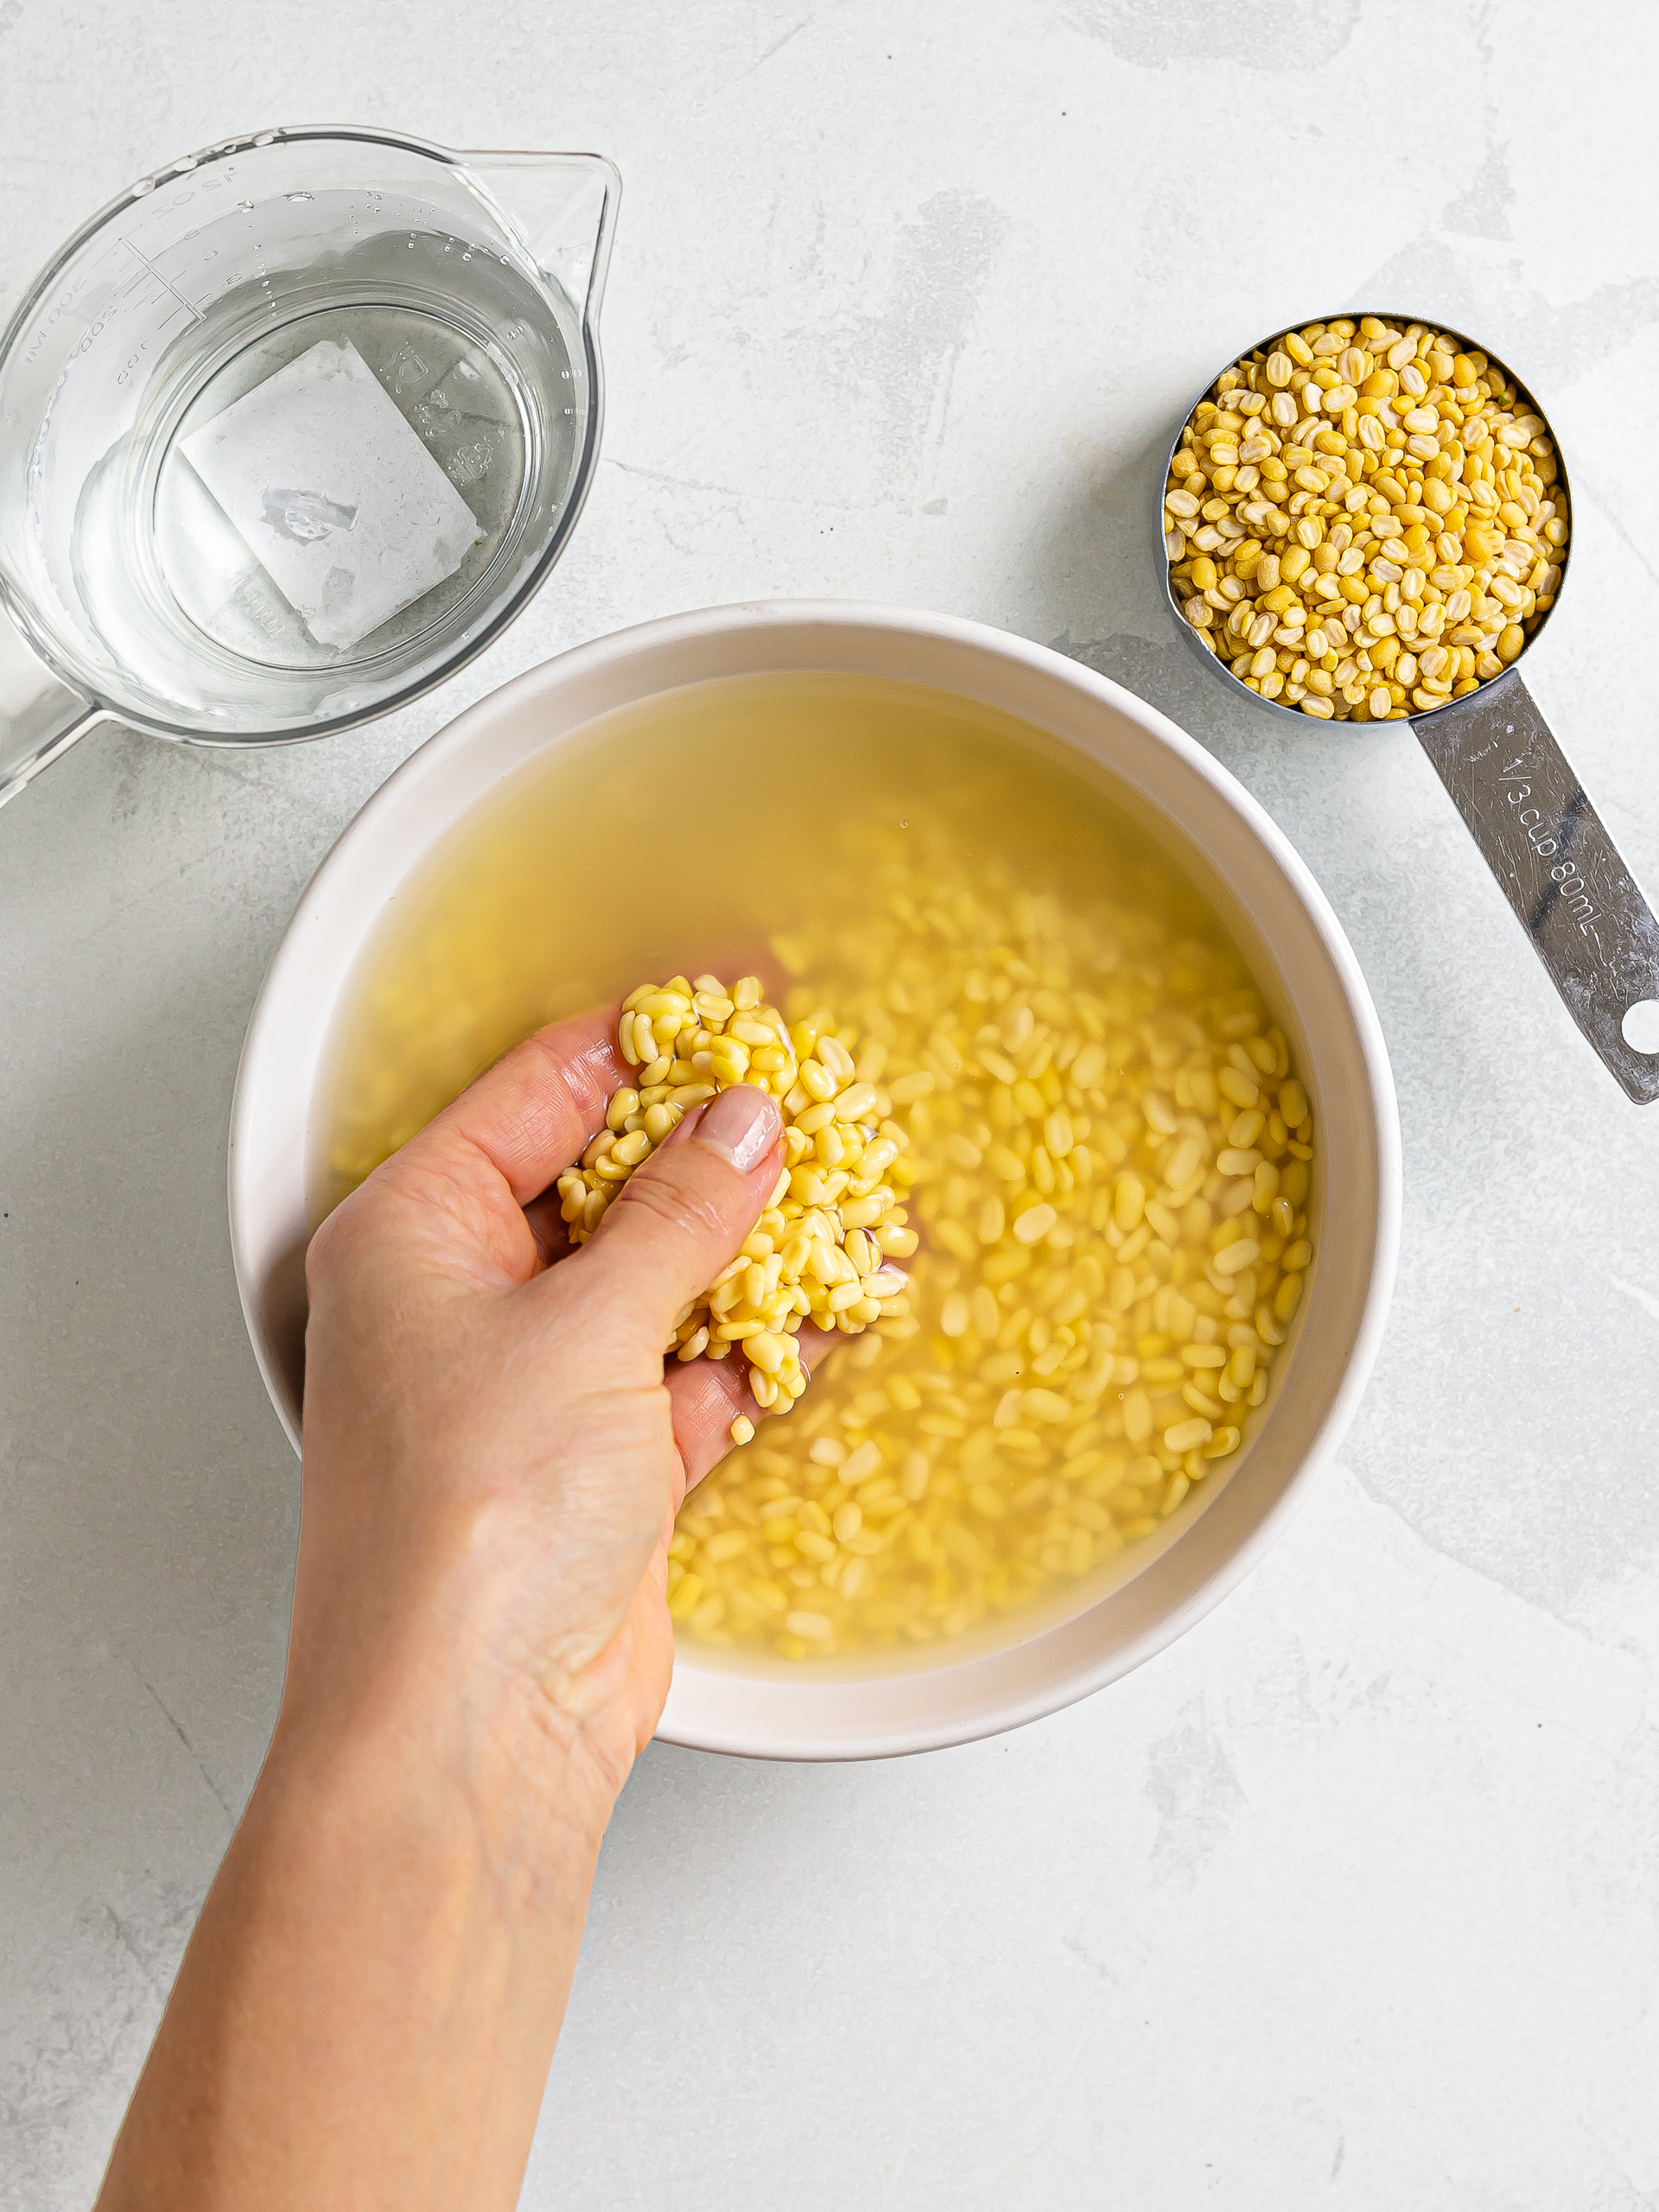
1560 870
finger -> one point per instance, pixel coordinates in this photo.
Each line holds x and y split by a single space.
531 1114
707 1395
683 1216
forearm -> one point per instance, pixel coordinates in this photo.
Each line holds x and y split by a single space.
481 1648
368 2006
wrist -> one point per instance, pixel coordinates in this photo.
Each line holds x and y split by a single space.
423 1667
479 1763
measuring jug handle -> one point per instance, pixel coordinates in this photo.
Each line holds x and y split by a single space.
40 715
1555 863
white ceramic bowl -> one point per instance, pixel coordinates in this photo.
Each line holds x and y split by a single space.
1261 888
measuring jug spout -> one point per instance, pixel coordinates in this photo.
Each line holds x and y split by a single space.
40 716
562 207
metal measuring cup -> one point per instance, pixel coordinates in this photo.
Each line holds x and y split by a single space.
1524 807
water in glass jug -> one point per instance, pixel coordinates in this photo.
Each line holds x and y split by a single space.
291 430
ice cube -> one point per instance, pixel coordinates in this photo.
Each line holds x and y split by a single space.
347 511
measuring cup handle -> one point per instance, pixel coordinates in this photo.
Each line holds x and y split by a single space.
40 717
1527 811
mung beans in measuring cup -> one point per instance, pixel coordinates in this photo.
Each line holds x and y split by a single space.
1364 521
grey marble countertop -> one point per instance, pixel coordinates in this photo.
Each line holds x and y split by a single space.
1354 1894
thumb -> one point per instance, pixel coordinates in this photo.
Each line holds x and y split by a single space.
678 1221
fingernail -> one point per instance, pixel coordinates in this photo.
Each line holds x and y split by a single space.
741 1124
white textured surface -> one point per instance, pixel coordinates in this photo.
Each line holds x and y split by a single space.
1353 1896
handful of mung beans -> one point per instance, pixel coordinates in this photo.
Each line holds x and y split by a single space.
819 1252
1364 521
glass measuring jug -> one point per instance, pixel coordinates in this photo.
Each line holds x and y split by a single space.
468 283
1525 808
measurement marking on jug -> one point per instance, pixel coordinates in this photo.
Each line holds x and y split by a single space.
195 313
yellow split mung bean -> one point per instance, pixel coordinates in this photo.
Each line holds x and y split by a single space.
1113 1210
1112 1144
1364 521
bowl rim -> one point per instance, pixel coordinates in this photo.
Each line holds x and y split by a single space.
592 659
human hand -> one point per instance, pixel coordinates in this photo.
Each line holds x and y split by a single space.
493 1457
480 1646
